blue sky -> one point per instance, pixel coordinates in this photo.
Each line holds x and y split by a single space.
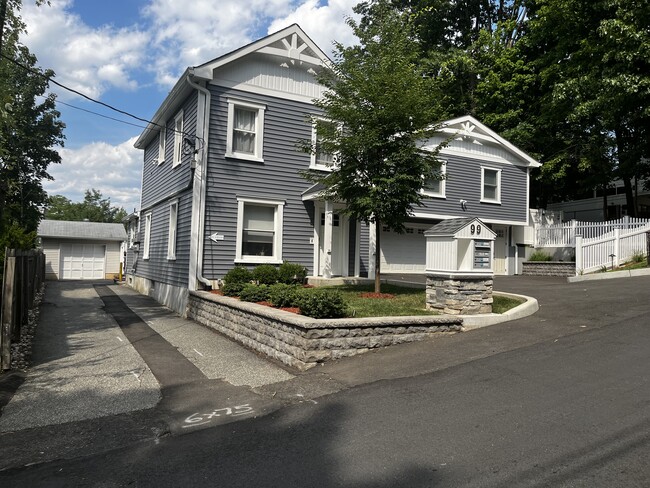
129 53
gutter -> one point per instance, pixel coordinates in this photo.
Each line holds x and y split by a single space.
199 190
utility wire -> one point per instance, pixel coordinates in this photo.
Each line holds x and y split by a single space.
83 95
100 115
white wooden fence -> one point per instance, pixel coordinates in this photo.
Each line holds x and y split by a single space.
607 250
564 234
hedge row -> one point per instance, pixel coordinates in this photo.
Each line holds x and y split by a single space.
282 287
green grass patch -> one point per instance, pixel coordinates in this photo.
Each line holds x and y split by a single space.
502 304
630 265
407 301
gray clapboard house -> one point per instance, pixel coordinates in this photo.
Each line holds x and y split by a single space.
221 183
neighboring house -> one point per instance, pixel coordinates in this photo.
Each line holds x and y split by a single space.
81 250
221 180
591 208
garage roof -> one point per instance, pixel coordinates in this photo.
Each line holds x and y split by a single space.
82 230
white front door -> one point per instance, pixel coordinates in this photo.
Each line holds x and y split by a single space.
500 248
338 254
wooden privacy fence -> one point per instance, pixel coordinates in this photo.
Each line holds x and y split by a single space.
593 254
24 272
564 234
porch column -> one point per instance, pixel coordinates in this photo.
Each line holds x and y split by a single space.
327 240
372 250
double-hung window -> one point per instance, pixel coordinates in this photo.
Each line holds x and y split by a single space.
320 158
173 224
178 139
490 185
147 236
259 231
161 145
436 187
245 137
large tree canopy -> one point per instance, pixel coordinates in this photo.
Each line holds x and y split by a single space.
94 208
30 129
378 102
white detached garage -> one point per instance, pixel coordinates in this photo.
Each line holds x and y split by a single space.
81 250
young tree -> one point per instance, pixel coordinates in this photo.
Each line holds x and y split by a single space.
382 108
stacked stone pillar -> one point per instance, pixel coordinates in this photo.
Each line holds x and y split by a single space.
459 295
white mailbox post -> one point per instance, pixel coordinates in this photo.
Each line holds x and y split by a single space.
459 266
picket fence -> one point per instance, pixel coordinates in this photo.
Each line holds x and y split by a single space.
611 250
564 234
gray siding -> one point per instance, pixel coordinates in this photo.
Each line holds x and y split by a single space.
161 185
352 245
464 183
277 178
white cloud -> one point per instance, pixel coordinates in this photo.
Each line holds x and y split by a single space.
322 23
86 59
191 34
116 171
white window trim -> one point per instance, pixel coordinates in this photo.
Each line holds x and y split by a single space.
162 135
259 130
173 226
277 242
313 164
147 236
496 200
443 187
178 140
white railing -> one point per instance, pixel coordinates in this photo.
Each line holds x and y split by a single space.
607 250
564 235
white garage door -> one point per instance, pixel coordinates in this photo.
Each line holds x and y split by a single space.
82 261
404 253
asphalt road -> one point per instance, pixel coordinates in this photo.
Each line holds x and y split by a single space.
560 400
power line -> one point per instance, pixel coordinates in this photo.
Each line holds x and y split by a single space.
83 95
100 115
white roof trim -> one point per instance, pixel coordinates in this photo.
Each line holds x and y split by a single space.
264 46
446 128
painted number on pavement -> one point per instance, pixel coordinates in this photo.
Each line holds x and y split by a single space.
204 418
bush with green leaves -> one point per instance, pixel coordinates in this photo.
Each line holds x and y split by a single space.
283 295
540 255
230 289
265 274
291 273
254 293
322 303
239 274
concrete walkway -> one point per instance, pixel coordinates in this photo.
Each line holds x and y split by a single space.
86 366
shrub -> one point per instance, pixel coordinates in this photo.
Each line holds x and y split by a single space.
231 289
254 293
540 255
291 273
637 257
322 303
265 274
239 274
283 295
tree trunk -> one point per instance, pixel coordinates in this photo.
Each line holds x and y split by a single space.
377 256
629 197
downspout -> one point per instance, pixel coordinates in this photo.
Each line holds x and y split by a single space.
202 164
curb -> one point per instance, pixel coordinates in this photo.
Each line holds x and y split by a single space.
610 276
529 307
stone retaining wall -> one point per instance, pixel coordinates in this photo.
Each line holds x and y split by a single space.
549 268
303 342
